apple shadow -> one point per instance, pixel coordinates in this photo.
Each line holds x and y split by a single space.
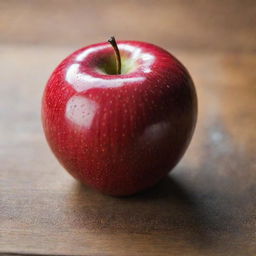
184 213
167 208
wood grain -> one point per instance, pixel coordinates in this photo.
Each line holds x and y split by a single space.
225 25
207 206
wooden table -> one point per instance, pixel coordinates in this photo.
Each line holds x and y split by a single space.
207 205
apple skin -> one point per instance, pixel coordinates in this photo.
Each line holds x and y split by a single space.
120 133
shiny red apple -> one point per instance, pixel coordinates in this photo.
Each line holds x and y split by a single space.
119 133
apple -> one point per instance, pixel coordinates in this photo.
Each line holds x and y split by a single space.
119 116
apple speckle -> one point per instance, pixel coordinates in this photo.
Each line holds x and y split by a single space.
113 132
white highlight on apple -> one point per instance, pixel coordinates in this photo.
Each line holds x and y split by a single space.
86 52
156 133
82 81
81 111
136 54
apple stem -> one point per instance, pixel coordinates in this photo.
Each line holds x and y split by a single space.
112 41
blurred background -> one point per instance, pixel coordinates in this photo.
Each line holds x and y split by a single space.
43 210
197 24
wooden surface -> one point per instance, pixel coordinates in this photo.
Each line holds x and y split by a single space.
207 206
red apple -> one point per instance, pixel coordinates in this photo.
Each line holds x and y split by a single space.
119 133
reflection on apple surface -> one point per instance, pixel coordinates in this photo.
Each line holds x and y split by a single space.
119 119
